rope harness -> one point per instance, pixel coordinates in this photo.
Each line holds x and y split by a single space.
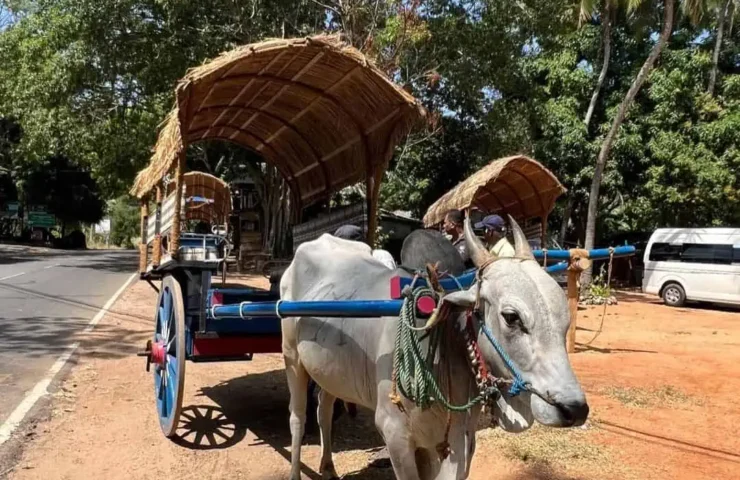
413 369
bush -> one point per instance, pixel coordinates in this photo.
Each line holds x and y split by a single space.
124 222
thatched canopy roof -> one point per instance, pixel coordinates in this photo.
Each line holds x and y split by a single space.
204 185
315 108
516 185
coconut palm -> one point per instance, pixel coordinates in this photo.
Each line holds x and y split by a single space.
606 145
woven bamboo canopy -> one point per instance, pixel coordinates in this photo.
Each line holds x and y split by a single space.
315 108
203 186
516 185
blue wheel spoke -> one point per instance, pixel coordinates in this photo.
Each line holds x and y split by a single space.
170 396
172 367
160 319
167 303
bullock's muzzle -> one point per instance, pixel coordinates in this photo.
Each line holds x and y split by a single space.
574 413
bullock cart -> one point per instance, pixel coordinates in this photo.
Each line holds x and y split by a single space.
525 189
315 109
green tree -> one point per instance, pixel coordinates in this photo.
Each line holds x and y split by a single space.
124 221
69 192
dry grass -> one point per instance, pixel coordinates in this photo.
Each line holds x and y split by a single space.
571 451
666 395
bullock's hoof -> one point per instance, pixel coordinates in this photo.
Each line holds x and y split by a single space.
328 472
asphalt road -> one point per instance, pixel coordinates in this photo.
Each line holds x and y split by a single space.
46 298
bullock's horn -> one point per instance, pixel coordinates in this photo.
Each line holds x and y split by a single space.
521 245
478 253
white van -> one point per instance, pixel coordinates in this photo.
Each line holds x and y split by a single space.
693 264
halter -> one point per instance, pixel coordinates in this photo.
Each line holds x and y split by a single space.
517 384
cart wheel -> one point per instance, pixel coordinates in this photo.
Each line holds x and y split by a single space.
168 355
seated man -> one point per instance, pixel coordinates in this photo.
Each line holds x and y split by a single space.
495 236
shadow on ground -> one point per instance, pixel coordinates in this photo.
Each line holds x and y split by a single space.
258 403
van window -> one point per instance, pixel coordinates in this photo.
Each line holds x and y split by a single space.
695 253
665 252
706 253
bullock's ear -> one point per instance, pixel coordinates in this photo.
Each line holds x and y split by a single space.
463 298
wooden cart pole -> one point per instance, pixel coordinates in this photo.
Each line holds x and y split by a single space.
579 261
175 236
157 244
143 231
371 198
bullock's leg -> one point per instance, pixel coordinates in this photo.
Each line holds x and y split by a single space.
324 416
462 445
401 448
298 386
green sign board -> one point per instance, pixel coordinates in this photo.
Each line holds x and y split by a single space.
41 219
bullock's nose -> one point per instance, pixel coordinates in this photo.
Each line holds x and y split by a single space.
574 413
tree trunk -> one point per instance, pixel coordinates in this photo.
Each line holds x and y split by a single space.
722 11
607 34
566 219
606 146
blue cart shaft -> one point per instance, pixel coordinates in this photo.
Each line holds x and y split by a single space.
596 254
330 308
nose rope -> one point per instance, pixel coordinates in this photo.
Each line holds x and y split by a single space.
518 384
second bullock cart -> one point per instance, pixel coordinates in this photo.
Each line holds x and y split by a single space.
325 117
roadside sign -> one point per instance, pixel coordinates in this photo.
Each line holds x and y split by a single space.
41 219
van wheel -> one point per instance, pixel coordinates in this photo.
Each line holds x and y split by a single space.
674 295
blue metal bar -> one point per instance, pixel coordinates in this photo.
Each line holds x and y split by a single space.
596 254
328 308
557 268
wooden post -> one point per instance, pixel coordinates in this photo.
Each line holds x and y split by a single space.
543 232
143 231
175 235
157 244
579 261
371 198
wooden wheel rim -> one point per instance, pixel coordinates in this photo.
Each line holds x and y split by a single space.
169 379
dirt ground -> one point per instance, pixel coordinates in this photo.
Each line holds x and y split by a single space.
662 384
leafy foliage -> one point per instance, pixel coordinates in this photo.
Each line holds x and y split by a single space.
90 81
70 193
124 221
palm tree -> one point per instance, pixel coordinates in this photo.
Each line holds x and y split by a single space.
606 146
722 9
588 9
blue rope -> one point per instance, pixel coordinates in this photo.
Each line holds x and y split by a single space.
519 385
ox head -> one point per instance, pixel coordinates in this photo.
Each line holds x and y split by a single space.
527 312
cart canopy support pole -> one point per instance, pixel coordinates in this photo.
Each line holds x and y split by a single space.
175 232
143 231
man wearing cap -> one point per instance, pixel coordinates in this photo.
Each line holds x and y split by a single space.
495 235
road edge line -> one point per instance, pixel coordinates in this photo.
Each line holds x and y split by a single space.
17 416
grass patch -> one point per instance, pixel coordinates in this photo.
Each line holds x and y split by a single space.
667 395
568 450
550 445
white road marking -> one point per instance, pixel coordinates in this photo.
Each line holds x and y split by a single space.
40 389
12 276
51 266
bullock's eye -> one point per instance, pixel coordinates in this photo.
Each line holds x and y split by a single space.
512 319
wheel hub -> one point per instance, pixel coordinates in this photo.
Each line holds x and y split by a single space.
155 353
158 353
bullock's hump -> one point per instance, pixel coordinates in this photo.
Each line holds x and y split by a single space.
428 246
